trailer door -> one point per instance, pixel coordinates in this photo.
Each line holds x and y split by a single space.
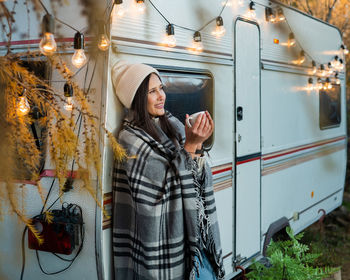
247 140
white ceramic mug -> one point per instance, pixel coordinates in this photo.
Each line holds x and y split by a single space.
190 121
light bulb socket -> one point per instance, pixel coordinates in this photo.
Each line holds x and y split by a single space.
291 36
336 75
268 13
251 6
329 65
336 57
341 61
48 24
310 81
68 90
302 54
280 13
140 1
170 29
219 21
313 63
78 41
321 67
342 47
319 80
197 36
118 2
328 80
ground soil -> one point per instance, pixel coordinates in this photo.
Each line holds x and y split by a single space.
331 238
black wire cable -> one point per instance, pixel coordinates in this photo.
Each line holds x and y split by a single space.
23 252
159 12
42 5
66 24
47 196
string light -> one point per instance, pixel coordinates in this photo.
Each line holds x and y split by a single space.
328 84
337 80
301 58
79 58
344 49
197 42
314 68
251 12
48 44
280 15
23 107
291 40
119 7
310 84
322 70
141 7
335 62
68 93
103 42
340 65
170 39
330 70
270 15
219 29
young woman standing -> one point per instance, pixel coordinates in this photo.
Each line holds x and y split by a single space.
164 218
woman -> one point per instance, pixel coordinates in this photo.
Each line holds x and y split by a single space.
165 224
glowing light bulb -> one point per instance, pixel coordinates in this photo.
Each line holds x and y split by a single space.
251 12
344 49
119 8
319 84
103 42
280 15
69 104
79 58
301 58
170 39
48 44
310 85
197 42
322 70
141 7
314 68
23 107
330 69
270 15
328 84
291 40
68 93
219 29
337 80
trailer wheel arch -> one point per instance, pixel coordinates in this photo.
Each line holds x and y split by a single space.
273 230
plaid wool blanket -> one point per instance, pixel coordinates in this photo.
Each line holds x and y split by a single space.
163 215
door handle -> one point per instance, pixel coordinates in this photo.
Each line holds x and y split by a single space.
239 113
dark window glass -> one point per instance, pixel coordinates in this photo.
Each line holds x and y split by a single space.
188 93
330 107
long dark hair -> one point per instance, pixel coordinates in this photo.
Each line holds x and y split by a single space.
144 120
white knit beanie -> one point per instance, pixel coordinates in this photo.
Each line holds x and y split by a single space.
127 78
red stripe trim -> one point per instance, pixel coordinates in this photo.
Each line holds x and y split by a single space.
302 148
37 41
222 170
107 201
52 173
248 160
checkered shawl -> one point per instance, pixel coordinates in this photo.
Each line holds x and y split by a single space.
157 226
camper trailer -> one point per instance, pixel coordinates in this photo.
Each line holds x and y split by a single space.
278 153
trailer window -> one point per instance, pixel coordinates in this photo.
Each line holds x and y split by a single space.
188 93
330 107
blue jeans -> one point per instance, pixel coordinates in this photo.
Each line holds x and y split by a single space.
205 270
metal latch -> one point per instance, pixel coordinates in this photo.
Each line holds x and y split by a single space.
238 260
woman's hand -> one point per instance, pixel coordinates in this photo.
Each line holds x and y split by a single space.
199 132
